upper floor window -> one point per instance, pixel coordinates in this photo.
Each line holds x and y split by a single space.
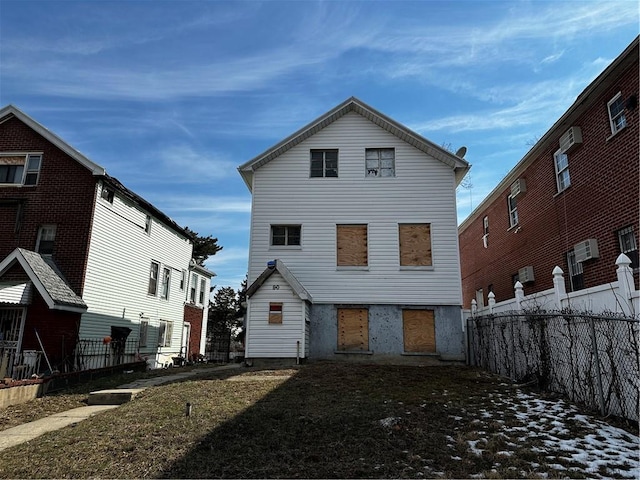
183 279
352 245
203 285
147 224
285 235
628 245
324 163
194 288
153 278
415 244
380 162
46 239
166 281
513 211
616 113
561 162
485 232
107 194
20 169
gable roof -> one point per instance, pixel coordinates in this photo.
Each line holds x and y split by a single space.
11 111
458 164
47 279
277 266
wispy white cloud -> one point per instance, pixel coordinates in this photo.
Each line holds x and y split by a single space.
207 204
227 256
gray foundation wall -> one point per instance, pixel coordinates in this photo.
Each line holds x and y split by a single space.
385 332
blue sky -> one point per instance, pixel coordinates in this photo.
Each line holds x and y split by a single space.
171 96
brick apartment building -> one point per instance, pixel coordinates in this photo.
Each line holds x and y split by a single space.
572 201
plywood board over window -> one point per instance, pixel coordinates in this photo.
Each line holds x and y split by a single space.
419 331
415 244
353 329
275 312
352 245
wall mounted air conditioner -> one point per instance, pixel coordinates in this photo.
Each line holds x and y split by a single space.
525 274
572 138
586 250
518 187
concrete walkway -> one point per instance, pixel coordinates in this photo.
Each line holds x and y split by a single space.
28 431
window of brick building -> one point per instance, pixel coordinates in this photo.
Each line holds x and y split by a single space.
617 120
561 162
628 244
576 273
513 210
46 239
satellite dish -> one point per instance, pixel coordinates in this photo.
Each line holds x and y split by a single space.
462 151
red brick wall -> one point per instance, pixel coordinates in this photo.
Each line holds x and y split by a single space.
603 198
64 196
193 315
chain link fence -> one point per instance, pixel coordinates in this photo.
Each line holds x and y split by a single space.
591 359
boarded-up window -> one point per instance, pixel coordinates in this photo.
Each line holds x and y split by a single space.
419 331
352 245
353 329
275 313
415 244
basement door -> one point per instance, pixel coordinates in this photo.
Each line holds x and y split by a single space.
419 331
353 329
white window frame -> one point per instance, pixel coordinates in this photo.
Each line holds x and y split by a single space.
166 283
326 171
374 163
23 175
561 165
575 269
193 291
183 280
153 278
203 285
485 231
46 233
628 244
289 236
165 332
512 206
617 121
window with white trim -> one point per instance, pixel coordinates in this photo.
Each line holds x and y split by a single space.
512 204
166 281
183 279
165 332
107 194
380 162
285 235
615 107
153 278
194 288
324 163
485 232
576 273
628 245
203 285
20 169
561 163
46 239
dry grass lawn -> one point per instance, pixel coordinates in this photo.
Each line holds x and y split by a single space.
324 420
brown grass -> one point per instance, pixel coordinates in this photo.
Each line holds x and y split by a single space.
326 421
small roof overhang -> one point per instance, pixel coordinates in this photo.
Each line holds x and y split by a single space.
289 277
458 164
47 279
15 293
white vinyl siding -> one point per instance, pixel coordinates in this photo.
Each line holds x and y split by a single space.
275 340
422 191
117 277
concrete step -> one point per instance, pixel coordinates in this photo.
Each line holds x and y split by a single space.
113 397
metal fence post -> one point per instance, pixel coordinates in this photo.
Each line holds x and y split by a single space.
594 346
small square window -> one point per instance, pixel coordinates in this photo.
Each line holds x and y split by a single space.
617 120
285 235
380 162
107 194
324 163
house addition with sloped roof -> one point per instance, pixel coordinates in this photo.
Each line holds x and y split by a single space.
353 243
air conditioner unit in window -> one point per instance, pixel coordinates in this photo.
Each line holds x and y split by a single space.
586 250
525 274
518 187
572 138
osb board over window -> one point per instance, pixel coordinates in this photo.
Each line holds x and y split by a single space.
353 329
419 331
352 245
415 244
275 312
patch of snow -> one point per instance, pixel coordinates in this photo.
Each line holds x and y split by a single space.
389 422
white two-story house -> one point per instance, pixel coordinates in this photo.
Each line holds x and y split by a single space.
353 248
